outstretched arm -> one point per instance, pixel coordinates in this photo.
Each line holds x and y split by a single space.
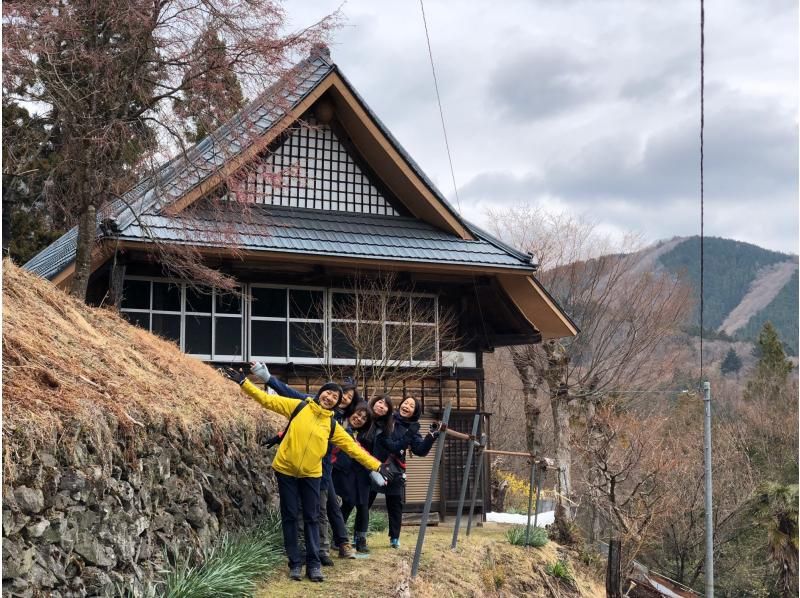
346 443
421 446
285 390
281 405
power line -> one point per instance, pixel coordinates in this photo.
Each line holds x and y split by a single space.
439 101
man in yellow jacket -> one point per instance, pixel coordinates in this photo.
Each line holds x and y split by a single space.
298 464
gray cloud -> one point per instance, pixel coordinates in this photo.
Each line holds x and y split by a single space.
591 107
539 83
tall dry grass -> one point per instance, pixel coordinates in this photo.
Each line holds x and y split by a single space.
70 369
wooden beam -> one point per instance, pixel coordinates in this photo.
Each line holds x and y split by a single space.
278 257
533 302
386 160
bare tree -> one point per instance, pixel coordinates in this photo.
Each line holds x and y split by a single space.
383 334
107 76
625 314
626 480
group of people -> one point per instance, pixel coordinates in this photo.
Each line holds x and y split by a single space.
336 454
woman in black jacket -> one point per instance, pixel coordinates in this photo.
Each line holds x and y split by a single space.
393 436
351 480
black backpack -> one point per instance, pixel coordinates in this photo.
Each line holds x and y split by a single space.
277 438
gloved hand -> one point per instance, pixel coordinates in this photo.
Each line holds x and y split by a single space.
377 478
386 472
260 369
232 374
435 429
270 442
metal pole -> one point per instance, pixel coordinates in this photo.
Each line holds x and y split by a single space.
481 465
542 473
534 471
467 468
709 505
423 524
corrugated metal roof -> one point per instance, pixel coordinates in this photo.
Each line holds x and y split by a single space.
317 232
302 231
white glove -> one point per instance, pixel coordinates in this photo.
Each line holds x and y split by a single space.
260 370
377 478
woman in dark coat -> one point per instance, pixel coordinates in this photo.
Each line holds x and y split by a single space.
393 437
351 480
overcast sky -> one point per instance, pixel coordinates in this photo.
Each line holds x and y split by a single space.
591 106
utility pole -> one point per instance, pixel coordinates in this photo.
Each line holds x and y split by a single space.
709 503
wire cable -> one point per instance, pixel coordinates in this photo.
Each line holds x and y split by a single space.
439 101
449 156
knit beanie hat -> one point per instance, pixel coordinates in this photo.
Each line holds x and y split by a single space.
330 386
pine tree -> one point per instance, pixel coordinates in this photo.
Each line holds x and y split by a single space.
212 93
732 362
770 376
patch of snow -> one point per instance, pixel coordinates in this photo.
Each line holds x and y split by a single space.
543 519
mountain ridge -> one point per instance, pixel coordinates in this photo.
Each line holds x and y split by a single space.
744 285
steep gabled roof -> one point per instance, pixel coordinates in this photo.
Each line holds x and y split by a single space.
143 206
187 171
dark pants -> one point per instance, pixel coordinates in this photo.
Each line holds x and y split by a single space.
394 508
298 494
332 514
362 516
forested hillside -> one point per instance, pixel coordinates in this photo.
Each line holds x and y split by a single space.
737 272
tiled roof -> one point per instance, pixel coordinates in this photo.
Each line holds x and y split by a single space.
305 231
181 174
280 229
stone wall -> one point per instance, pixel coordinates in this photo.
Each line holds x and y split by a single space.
87 516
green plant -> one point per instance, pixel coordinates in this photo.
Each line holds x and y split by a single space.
561 570
537 538
378 522
232 567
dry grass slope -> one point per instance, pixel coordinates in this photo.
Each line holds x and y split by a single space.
68 367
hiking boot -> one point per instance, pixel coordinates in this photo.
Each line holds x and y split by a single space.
325 559
346 551
394 542
361 546
296 573
315 574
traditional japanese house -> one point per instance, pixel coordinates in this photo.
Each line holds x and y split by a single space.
324 196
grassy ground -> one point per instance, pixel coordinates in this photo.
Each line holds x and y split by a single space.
484 565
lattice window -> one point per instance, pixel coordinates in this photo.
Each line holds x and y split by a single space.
312 169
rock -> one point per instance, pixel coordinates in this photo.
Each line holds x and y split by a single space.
163 521
197 515
35 530
13 522
96 581
48 460
17 559
62 500
30 500
72 481
41 577
93 551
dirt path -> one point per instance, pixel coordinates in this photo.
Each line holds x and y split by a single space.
483 565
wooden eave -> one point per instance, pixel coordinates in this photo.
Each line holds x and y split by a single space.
537 306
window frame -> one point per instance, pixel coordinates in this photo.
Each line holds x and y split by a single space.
288 320
213 356
384 322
